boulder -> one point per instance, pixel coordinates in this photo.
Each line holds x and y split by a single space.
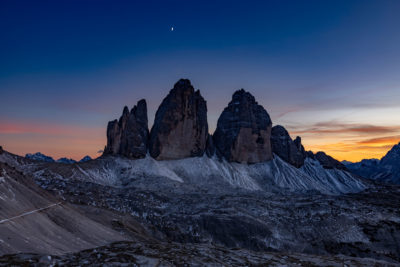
283 146
243 131
180 128
128 136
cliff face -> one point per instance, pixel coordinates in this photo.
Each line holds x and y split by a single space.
180 127
244 130
128 136
282 145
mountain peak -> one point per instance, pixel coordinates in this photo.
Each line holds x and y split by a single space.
183 84
128 136
85 158
392 157
243 130
180 126
39 157
242 95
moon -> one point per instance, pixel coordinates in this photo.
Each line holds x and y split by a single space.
172 29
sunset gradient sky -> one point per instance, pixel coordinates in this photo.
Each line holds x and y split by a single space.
328 71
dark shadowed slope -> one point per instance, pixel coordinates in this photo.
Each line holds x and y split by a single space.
32 220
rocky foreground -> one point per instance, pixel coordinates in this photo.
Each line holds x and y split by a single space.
176 254
166 222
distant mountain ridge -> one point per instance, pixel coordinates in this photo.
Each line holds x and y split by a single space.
38 156
385 170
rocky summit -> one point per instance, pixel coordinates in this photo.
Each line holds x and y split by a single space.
180 128
282 145
128 136
244 130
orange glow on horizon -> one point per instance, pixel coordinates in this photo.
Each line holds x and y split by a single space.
352 152
348 141
343 142
350 149
55 140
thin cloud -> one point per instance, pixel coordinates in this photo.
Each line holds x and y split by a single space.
352 151
343 128
284 113
353 147
381 140
350 141
7 127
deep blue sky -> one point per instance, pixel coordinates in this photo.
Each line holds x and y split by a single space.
316 66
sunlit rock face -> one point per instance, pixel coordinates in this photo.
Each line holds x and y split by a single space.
282 145
244 130
128 136
180 127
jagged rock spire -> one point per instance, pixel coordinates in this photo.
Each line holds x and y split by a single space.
282 145
180 127
128 136
243 130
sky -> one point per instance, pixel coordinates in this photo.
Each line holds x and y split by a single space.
328 71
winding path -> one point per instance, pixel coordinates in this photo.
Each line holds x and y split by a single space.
29 213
